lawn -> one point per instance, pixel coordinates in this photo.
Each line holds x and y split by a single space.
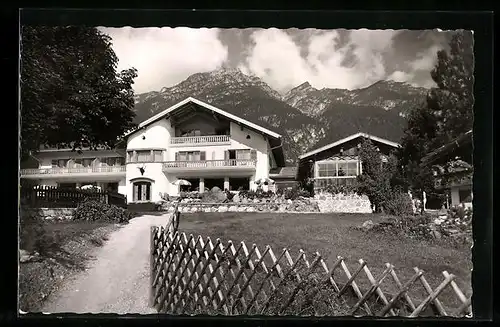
332 235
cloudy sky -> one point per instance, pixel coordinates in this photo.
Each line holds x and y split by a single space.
282 58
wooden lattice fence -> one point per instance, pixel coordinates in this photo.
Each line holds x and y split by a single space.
195 275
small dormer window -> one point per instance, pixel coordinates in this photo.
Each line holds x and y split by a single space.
248 137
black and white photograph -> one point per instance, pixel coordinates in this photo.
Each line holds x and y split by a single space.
246 171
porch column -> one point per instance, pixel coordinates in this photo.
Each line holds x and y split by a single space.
226 183
202 185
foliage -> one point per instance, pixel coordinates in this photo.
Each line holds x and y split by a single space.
213 196
190 195
32 236
398 204
98 211
377 179
259 194
446 115
293 193
71 94
341 189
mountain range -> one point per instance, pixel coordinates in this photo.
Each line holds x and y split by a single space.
306 117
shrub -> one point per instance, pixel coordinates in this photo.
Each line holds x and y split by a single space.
98 211
213 197
341 189
33 236
398 204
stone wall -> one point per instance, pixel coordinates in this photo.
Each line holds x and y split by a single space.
257 205
343 203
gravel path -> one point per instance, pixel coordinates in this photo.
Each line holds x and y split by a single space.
117 280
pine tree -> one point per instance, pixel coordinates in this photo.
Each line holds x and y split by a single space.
446 115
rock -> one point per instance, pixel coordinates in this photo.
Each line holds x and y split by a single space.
195 209
236 198
289 201
244 200
282 208
223 209
233 208
252 209
256 201
206 209
241 209
215 189
367 225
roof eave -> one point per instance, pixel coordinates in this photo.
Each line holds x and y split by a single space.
347 139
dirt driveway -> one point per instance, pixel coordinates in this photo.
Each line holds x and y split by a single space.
116 281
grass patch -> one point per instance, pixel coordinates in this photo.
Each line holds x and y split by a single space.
64 249
332 235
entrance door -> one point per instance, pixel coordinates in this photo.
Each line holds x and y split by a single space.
142 191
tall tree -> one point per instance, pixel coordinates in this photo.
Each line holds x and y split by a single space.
378 179
447 113
71 94
452 100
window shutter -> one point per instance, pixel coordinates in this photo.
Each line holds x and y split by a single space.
253 154
177 156
226 155
202 156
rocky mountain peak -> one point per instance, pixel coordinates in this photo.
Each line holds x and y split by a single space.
305 116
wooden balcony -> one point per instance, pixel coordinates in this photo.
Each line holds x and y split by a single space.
74 171
209 165
200 140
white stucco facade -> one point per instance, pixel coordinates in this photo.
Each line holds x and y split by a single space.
157 155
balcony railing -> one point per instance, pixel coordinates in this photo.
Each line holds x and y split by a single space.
186 140
209 163
75 170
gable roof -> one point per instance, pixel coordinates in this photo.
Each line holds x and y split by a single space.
207 106
347 139
449 149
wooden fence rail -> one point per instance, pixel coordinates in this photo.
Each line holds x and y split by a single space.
53 197
195 275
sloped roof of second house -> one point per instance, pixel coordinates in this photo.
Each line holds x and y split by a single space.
209 107
347 139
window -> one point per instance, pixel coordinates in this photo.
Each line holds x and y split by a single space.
158 155
465 195
143 155
131 156
243 154
327 169
339 168
190 156
60 163
142 191
110 161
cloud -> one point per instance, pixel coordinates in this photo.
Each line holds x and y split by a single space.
418 70
275 58
166 56
340 58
